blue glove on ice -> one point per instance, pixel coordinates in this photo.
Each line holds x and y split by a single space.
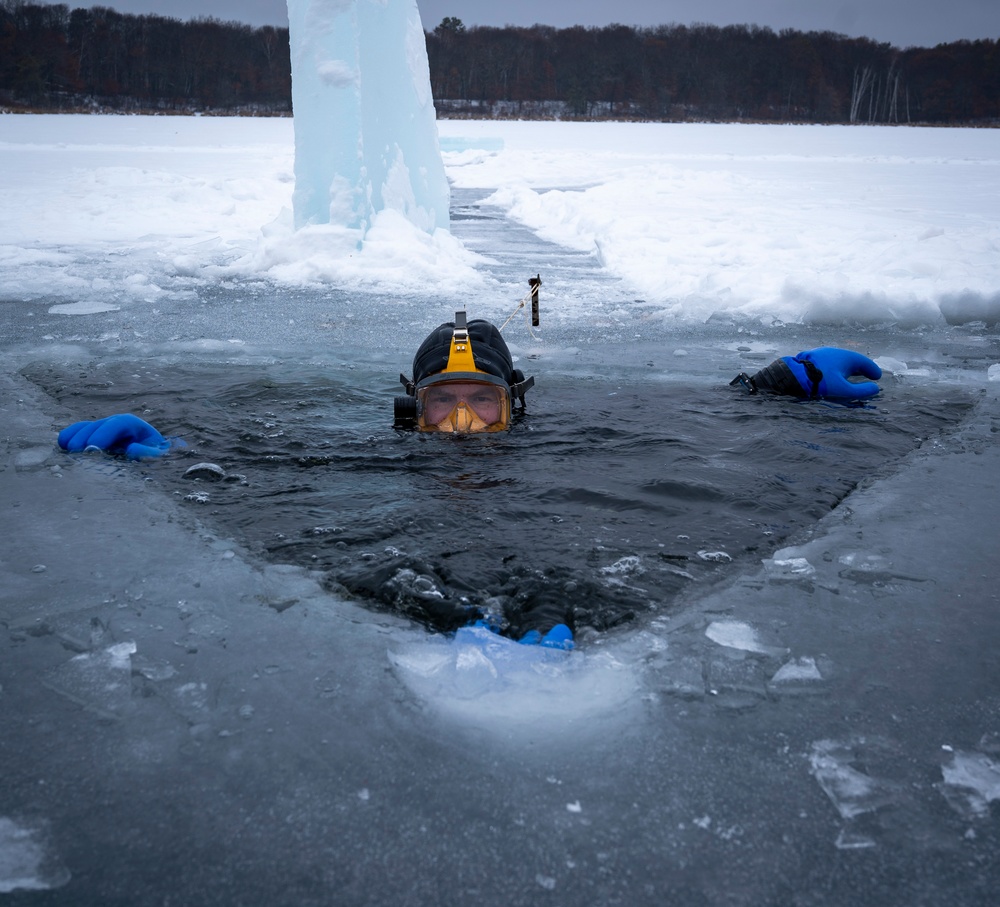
820 373
123 433
559 637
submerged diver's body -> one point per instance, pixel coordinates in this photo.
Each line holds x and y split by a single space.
464 382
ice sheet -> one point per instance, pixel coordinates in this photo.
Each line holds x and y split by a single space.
326 744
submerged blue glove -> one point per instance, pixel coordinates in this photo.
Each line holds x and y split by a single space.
820 373
123 433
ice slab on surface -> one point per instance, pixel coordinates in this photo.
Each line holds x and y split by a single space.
490 681
852 840
971 783
27 862
797 670
852 791
737 635
736 684
786 566
99 680
84 307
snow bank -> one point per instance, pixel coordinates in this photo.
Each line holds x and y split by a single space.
797 223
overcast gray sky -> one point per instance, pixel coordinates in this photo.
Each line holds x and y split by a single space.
905 23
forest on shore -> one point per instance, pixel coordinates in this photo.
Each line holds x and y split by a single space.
57 59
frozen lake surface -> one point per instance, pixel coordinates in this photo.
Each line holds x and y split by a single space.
786 684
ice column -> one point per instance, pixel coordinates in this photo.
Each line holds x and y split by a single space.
365 133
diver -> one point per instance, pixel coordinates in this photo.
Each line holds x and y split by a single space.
825 373
464 381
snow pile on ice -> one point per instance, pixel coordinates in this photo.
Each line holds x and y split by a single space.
821 224
813 223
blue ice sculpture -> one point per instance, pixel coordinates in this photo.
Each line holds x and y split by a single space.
365 131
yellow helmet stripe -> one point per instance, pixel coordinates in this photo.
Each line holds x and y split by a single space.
460 358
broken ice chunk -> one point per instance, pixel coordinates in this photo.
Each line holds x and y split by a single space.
684 677
971 783
738 635
852 840
100 681
736 683
718 557
793 568
26 860
210 471
851 791
797 677
797 670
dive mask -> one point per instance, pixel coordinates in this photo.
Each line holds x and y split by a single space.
470 402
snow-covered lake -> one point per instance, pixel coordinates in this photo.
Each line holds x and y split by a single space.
212 692
803 223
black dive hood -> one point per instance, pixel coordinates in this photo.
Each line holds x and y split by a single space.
489 350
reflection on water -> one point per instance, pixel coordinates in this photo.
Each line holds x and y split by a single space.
604 501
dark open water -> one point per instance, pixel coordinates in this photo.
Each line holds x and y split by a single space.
609 497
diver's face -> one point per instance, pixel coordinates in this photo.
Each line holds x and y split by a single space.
464 406
482 399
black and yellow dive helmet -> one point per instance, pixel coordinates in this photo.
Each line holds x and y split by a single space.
464 380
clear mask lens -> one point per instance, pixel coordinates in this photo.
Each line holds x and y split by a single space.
464 406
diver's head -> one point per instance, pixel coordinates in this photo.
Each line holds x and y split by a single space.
464 380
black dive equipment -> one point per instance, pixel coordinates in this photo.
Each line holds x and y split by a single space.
464 378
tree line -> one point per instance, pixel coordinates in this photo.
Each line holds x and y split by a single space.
676 72
55 58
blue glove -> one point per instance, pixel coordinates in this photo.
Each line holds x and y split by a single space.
123 433
559 637
822 372
835 367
